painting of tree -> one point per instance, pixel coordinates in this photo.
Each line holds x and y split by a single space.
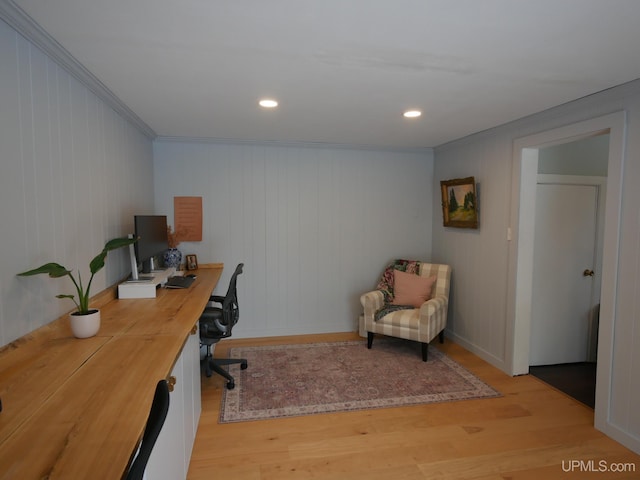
459 203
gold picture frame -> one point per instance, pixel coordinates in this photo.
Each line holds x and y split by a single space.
459 203
192 262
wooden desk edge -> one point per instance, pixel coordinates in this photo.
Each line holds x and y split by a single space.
57 330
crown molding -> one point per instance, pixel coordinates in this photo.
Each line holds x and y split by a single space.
26 26
284 143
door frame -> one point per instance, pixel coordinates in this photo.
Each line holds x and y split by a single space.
520 256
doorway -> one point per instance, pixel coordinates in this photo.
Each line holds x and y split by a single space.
567 261
521 256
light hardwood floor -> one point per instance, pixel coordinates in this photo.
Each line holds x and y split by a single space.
532 432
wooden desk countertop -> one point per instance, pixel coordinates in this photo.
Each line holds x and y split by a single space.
76 408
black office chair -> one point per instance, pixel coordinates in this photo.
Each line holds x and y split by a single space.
216 323
157 416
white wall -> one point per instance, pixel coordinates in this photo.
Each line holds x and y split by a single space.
479 310
478 257
588 156
314 226
71 173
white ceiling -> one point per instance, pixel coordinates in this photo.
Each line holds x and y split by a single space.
345 70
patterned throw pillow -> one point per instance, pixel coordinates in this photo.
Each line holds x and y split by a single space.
386 281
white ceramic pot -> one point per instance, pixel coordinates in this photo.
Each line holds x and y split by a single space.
85 326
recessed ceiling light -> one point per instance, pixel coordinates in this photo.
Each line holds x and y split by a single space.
412 113
268 103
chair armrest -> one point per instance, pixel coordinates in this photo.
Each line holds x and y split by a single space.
433 317
433 305
372 301
216 299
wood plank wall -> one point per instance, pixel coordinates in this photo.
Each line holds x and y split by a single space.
315 226
72 174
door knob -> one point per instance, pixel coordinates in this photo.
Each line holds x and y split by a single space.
588 273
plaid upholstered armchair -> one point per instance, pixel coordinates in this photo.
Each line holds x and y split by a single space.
410 302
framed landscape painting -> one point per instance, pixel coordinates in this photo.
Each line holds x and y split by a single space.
459 203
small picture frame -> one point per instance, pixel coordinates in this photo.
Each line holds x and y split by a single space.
459 203
192 262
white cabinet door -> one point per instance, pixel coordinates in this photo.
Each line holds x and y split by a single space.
172 452
192 399
167 458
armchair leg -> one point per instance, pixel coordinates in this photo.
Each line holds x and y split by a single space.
424 351
441 336
369 339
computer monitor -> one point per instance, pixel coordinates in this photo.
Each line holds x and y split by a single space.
151 232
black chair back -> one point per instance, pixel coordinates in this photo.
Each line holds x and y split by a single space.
157 416
216 323
230 308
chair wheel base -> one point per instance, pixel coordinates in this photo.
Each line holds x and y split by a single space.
243 366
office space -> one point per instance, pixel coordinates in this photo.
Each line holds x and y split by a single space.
43 209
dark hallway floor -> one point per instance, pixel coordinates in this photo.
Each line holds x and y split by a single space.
575 379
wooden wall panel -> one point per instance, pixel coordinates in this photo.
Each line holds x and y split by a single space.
314 226
479 319
72 172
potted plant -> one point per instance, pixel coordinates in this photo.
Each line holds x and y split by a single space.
85 322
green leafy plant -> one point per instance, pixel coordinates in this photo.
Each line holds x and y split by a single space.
55 270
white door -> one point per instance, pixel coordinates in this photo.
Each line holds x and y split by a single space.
564 248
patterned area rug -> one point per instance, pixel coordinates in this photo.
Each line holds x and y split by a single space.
292 380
